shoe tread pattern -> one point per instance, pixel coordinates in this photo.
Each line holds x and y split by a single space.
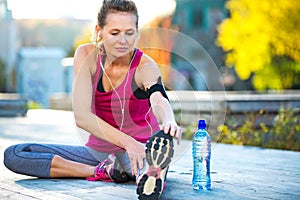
154 195
159 152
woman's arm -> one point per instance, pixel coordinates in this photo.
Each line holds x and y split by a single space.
148 75
84 68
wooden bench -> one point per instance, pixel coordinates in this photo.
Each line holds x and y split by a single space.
12 105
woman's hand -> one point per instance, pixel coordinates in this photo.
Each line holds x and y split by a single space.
136 154
173 129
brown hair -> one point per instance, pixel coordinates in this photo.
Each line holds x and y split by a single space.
109 6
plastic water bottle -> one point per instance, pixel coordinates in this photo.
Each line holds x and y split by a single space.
201 158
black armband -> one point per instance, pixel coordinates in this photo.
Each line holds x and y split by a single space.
157 87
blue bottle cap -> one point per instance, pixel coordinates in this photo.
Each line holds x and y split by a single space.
201 124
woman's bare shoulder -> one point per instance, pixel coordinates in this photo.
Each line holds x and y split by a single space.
84 49
147 72
147 64
85 55
147 60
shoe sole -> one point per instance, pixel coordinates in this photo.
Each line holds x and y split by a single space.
159 152
119 176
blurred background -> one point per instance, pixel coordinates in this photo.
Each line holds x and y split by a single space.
254 44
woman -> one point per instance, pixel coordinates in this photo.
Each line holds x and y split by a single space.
118 97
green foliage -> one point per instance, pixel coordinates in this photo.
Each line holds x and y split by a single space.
189 131
281 73
283 132
261 39
34 105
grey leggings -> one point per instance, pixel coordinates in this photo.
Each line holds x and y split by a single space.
34 159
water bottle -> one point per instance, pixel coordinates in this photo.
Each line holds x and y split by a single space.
201 158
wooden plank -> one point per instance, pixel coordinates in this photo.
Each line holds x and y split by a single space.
237 172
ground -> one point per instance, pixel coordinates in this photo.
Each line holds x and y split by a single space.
237 172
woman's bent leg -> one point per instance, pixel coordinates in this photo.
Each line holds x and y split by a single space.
61 167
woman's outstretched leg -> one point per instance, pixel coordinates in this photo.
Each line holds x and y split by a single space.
50 160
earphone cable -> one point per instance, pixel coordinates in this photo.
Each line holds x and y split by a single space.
122 104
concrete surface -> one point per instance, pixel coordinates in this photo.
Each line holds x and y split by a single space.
237 172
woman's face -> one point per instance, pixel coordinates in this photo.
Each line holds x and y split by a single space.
119 34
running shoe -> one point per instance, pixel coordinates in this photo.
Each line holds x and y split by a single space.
109 171
159 152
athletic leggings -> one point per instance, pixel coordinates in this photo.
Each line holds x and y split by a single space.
34 159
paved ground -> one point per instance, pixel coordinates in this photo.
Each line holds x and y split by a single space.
237 172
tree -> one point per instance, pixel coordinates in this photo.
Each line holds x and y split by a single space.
261 38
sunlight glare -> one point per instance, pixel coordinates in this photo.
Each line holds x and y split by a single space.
80 9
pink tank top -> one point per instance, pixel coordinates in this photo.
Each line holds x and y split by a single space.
139 121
